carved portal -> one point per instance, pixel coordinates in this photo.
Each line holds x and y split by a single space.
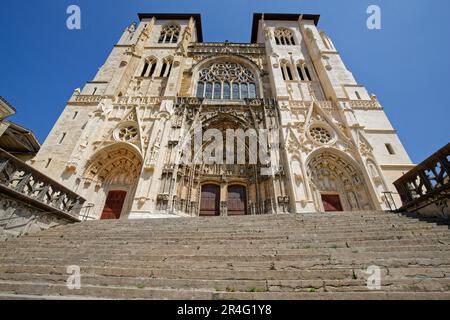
332 174
181 183
116 167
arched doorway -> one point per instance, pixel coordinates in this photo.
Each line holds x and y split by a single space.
110 180
337 183
210 200
237 200
114 205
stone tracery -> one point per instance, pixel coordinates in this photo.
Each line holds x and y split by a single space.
226 80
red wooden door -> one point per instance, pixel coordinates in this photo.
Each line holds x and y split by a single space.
210 201
237 201
332 202
114 205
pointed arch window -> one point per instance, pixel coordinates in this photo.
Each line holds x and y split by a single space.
286 71
208 90
303 72
166 68
149 68
236 91
217 90
284 37
227 80
200 89
169 34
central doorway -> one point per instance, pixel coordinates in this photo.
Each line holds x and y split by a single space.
210 201
114 205
237 201
332 203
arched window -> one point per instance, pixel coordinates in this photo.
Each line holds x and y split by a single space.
300 73
166 68
217 90
226 80
308 75
226 91
303 72
169 34
286 71
358 95
149 68
200 89
208 90
144 71
236 91
284 37
252 90
244 91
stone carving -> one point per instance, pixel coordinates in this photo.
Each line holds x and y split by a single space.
18 218
226 71
331 173
35 186
320 134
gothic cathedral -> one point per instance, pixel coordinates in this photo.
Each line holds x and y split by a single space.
330 146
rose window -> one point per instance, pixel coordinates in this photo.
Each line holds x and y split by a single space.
321 135
127 133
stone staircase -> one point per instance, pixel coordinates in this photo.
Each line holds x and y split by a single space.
307 256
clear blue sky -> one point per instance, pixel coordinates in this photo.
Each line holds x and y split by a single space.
406 64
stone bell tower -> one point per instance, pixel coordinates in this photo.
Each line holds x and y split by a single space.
343 152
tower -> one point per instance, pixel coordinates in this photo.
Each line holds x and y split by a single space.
323 143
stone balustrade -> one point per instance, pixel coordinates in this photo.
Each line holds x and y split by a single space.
24 183
426 188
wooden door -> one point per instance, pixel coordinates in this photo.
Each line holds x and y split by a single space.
237 201
332 202
210 201
114 205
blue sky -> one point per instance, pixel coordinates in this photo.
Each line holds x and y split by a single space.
406 64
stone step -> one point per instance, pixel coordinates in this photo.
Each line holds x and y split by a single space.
146 226
311 237
241 231
46 289
311 256
143 253
137 245
252 255
356 285
329 272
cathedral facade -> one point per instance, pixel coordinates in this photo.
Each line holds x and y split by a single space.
312 138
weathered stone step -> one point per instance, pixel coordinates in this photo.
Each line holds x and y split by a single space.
254 257
232 256
355 285
137 245
144 253
42 289
356 236
324 273
148 226
233 231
